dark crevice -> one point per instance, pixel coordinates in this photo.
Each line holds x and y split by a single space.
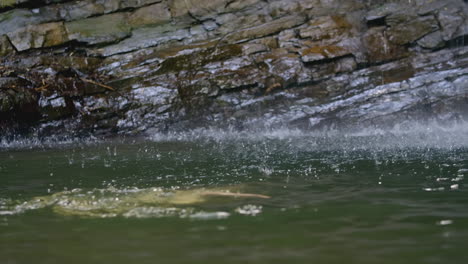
69 46
376 22
25 114
430 50
11 43
76 46
362 65
123 10
228 3
366 65
118 10
197 20
307 83
237 89
138 7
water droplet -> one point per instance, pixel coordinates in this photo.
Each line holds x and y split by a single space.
445 222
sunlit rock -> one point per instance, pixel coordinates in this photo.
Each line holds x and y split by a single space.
39 36
150 15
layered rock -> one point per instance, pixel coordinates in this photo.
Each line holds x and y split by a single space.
107 67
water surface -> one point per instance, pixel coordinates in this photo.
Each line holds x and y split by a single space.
378 197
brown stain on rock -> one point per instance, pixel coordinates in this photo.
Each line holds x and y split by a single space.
324 50
398 74
341 22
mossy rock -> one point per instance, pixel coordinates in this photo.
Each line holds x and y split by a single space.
102 29
6 3
5 47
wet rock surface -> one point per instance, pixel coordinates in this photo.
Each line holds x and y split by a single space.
131 67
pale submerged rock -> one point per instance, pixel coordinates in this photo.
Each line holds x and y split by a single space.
133 203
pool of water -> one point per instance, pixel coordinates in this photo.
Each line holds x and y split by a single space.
375 197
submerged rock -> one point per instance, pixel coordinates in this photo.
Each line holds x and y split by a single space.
133 202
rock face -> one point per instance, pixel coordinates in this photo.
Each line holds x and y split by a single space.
111 67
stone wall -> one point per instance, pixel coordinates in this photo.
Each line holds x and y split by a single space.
116 66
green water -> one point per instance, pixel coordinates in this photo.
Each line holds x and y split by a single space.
356 199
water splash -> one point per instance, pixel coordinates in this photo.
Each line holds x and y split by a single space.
400 136
414 135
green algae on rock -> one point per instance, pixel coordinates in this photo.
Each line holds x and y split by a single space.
102 29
